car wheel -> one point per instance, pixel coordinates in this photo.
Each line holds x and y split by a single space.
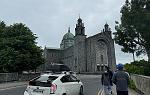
81 91
64 94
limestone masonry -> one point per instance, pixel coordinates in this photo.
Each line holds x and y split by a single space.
83 54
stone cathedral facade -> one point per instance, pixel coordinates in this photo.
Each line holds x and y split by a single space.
81 53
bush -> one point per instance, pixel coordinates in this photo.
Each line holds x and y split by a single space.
132 84
141 67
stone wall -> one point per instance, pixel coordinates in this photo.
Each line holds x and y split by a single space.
6 77
99 51
90 54
52 55
67 57
80 53
9 77
27 77
142 83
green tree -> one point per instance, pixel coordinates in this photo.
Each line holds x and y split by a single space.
141 67
133 33
134 69
18 48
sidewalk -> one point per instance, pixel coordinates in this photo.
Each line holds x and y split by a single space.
131 92
12 84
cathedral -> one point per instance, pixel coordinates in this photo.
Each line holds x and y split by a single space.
81 53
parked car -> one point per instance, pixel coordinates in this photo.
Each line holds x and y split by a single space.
57 68
55 84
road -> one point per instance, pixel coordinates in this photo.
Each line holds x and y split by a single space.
91 83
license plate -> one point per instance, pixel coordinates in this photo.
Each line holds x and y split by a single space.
38 90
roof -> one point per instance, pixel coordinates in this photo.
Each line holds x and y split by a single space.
51 74
52 48
68 36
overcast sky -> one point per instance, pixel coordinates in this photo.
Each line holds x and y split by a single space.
50 19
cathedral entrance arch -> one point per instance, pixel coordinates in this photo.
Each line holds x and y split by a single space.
101 55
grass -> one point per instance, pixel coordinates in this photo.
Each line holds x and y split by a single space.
132 84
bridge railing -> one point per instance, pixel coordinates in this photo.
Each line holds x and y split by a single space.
9 77
142 83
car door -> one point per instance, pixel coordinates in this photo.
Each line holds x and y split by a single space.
67 84
76 85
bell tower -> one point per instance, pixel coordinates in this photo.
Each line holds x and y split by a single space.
80 29
107 30
80 47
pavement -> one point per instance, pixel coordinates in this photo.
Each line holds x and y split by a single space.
9 85
131 92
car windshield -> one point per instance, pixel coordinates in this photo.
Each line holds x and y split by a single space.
44 81
46 78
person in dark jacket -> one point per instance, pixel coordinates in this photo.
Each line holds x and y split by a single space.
107 81
121 80
110 74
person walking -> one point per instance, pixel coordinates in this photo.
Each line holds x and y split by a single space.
110 74
121 80
106 80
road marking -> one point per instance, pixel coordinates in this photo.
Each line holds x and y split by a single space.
11 87
98 93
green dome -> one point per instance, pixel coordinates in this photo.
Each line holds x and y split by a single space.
68 36
67 41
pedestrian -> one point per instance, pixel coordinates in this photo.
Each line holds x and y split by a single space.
121 80
110 73
107 81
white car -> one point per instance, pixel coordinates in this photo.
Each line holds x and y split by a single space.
55 84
